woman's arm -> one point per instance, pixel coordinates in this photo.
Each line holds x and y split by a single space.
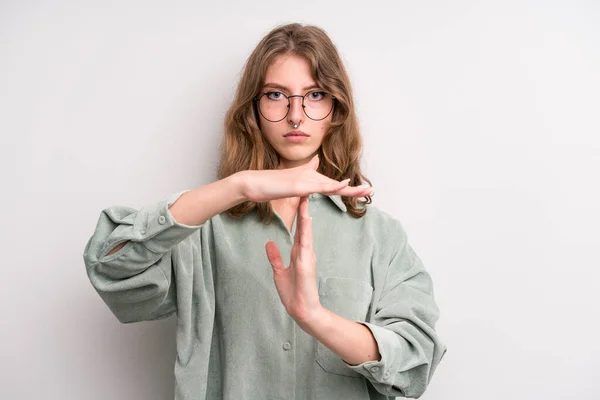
199 205
352 341
215 198
401 351
132 253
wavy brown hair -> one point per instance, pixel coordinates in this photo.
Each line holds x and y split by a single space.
245 148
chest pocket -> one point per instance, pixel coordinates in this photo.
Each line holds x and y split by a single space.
349 298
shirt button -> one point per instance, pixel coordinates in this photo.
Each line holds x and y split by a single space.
374 369
312 196
386 375
286 346
162 219
143 231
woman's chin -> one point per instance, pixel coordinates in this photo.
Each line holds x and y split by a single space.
294 160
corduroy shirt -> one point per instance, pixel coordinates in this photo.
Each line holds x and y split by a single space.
234 338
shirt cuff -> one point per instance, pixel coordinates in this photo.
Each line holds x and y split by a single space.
153 225
387 344
158 228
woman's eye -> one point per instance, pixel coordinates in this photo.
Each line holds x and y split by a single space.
317 95
274 95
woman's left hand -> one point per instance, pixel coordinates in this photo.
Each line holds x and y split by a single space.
297 285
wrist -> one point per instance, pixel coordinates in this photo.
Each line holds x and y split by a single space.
239 186
316 322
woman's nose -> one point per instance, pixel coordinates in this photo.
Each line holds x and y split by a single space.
296 111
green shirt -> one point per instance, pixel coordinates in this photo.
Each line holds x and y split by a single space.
234 338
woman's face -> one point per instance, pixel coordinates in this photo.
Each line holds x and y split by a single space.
291 75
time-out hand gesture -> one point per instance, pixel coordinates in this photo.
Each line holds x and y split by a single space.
273 184
297 284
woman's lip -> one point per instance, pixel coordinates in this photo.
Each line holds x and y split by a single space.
296 138
295 133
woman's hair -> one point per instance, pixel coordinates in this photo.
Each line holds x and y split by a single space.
245 148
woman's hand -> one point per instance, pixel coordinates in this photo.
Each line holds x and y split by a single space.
297 285
265 185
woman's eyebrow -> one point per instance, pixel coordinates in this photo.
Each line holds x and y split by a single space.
278 86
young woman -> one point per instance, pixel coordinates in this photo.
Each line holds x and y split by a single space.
287 283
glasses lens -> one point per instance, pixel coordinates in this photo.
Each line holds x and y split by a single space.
318 104
273 106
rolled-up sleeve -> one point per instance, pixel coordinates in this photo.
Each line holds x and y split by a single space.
136 281
403 326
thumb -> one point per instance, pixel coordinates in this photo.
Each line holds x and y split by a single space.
314 162
274 256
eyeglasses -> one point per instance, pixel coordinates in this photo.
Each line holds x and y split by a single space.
275 106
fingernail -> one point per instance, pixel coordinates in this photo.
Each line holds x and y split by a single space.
346 180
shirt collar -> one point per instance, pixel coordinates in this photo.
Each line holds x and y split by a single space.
336 198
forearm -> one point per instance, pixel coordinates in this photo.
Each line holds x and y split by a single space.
350 340
199 205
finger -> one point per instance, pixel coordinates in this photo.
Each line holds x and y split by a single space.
306 241
314 162
332 185
274 256
305 234
354 191
299 216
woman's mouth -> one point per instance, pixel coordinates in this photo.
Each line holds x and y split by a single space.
295 136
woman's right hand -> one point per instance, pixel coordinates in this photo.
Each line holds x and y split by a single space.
264 185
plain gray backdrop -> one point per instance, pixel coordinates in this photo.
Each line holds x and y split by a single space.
481 134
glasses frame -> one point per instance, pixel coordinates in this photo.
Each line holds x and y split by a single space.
256 100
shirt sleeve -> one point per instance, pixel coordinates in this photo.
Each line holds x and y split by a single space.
136 281
404 329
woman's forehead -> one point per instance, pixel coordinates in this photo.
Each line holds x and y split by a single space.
290 72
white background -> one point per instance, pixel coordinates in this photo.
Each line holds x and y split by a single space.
481 127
